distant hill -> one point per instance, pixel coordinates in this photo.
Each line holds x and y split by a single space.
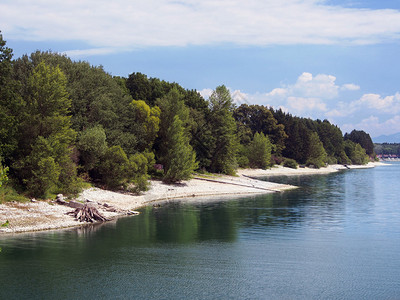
393 138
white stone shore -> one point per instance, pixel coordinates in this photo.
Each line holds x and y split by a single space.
46 215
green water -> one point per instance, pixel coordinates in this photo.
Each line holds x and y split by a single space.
336 237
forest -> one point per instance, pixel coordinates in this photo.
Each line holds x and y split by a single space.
387 149
65 123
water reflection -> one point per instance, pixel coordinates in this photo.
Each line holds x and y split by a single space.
341 230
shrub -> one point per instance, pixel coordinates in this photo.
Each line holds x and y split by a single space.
290 163
113 168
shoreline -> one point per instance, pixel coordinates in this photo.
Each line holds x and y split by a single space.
48 215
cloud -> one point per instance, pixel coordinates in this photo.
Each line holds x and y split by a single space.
307 95
320 86
133 23
374 126
88 52
206 93
305 105
388 104
350 87
372 102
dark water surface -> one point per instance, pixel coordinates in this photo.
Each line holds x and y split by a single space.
336 237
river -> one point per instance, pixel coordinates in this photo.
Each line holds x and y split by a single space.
335 237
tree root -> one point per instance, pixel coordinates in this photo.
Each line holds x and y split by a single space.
87 213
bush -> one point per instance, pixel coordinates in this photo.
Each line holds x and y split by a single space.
277 160
114 168
290 163
3 175
259 152
43 178
332 160
315 163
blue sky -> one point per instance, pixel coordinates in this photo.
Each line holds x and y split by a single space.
328 59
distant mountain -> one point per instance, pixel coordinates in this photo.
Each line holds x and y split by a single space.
392 138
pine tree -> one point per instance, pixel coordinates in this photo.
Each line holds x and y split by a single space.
180 160
223 128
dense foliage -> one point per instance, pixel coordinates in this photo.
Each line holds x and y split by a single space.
63 122
387 149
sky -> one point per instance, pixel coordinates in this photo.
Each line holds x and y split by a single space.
324 59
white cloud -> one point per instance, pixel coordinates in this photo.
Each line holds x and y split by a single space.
350 87
374 126
373 102
85 52
305 105
133 23
388 104
206 93
308 94
239 98
320 86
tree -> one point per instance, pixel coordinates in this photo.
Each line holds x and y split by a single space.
139 164
114 168
362 138
223 131
180 159
144 123
171 105
257 118
45 133
10 103
316 152
259 152
332 138
355 152
3 174
92 145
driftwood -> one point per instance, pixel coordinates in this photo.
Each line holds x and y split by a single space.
87 213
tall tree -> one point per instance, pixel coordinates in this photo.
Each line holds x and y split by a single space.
10 103
316 152
45 133
362 138
257 118
171 105
223 130
180 159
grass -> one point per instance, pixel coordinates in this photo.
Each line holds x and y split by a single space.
8 194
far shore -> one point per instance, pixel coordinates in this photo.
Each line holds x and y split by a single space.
48 215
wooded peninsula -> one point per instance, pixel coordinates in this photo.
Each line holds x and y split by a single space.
65 123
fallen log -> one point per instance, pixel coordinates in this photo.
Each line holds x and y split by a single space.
87 213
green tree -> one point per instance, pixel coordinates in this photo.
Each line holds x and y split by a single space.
144 123
139 164
332 138
180 160
316 152
171 105
3 174
114 168
362 138
92 145
355 152
223 131
10 103
259 153
45 133
257 118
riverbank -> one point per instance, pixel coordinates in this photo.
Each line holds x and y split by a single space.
45 215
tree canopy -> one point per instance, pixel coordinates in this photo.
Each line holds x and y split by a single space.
63 121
